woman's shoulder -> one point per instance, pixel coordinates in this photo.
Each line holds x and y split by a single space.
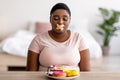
41 34
75 33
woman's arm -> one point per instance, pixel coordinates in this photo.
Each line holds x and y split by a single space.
32 61
85 60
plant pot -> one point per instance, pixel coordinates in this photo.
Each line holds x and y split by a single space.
105 50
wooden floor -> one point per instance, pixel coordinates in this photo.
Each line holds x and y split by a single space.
107 64
110 63
8 62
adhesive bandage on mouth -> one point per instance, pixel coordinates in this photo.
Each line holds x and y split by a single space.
60 27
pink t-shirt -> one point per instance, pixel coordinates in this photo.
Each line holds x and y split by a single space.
58 53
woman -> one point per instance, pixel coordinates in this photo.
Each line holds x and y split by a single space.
58 46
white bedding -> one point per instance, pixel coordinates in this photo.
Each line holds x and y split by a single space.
18 43
94 47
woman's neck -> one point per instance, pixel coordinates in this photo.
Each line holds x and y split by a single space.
60 37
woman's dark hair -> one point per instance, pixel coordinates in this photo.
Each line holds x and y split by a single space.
60 6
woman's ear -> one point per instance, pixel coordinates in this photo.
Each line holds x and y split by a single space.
70 20
50 19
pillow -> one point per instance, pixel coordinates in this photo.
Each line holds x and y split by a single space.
41 27
18 43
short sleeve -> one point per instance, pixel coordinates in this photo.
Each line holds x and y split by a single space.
82 43
35 45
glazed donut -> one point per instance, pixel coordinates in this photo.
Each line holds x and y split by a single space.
59 74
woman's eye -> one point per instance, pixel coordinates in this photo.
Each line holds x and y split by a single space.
58 18
55 18
65 19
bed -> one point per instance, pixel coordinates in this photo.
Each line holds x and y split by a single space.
14 48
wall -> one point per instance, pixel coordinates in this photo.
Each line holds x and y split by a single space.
17 14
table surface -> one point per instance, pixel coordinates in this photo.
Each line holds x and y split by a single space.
41 76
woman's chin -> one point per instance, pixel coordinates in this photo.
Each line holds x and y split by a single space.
59 31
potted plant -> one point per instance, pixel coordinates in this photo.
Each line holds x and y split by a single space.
108 27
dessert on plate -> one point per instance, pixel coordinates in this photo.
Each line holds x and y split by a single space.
62 71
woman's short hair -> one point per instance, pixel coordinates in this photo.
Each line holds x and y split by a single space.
60 6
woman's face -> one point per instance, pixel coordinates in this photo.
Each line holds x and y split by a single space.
60 20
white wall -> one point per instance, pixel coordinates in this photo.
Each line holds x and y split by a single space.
17 14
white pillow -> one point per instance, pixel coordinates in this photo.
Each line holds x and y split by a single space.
18 43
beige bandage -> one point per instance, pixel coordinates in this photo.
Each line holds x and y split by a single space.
60 27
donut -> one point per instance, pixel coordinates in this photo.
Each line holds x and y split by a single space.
72 73
63 71
59 74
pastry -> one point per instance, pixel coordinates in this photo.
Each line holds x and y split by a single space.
59 74
62 71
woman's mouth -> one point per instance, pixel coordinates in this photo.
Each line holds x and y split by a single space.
60 27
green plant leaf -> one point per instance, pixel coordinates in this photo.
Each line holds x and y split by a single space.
100 32
107 28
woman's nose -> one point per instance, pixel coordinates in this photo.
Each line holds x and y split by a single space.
61 21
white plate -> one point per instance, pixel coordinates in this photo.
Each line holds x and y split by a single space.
61 77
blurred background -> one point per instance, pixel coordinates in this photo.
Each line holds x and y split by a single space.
20 14
18 19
